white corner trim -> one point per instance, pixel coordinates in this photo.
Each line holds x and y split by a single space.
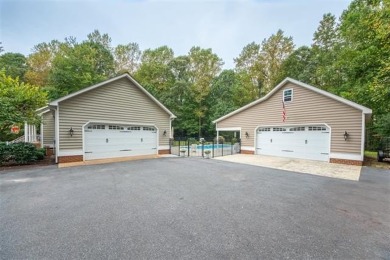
57 131
365 110
346 156
70 152
363 137
41 130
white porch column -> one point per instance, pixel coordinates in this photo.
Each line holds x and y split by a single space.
25 132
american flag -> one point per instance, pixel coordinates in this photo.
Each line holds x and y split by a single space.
284 112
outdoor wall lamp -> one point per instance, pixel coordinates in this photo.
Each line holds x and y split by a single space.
71 131
346 135
246 135
165 133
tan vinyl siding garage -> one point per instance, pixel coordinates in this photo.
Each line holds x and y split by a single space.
116 102
114 118
48 130
309 106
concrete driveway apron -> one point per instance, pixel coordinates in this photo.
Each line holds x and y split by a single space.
333 170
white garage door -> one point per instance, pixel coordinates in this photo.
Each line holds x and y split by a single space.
305 142
111 141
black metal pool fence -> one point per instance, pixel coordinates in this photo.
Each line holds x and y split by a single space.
204 147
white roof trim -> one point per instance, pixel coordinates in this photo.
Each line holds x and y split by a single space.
55 102
364 110
42 109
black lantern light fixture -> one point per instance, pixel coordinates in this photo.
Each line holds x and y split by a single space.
165 133
246 134
71 131
346 136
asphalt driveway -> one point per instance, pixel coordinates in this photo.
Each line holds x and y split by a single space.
191 208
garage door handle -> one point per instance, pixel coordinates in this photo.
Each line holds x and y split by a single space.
305 141
142 139
106 140
125 150
271 140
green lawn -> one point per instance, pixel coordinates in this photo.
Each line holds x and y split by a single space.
371 154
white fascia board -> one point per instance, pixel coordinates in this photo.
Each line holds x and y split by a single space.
41 109
229 129
55 102
43 112
365 110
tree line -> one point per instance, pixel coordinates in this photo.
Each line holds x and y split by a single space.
349 57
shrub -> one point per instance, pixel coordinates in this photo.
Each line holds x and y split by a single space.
5 154
24 153
20 153
221 139
41 152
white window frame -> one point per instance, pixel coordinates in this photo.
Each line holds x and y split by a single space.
284 95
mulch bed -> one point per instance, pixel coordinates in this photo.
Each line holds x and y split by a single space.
373 162
49 160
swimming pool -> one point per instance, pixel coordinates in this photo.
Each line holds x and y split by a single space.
207 146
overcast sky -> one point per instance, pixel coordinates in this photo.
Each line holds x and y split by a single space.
224 26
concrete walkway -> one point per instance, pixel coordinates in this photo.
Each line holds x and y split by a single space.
333 170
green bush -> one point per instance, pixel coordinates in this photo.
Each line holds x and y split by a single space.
5 153
41 152
20 153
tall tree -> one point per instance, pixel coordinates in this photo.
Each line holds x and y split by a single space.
40 62
326 36
127 58
154 72
180 99
300 65
78 67
225 96
204 65
14 64
274 51
97 37
326 50
18 102
262 62
365 29
249 65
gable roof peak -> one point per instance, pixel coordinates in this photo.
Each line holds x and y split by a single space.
364 109
124 75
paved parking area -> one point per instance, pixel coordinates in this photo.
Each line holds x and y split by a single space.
333 170
191 208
